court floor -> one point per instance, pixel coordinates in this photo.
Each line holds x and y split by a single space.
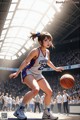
36 116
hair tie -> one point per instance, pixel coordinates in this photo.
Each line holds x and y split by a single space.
38 34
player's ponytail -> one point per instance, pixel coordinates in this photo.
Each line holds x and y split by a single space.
34 35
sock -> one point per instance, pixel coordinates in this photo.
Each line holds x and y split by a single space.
47 107
22 104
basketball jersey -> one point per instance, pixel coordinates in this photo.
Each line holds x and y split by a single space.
37 65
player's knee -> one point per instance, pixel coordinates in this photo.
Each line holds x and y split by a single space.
49 92
36 90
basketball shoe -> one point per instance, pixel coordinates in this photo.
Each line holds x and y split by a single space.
47 115
19 113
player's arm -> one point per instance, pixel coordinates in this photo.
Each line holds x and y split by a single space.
51 65
32 54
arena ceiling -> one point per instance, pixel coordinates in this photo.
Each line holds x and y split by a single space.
20 17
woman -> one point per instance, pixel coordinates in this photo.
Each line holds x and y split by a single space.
31 71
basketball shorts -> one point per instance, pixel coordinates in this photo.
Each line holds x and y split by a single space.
27 72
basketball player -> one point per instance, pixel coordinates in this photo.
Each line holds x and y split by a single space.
31 71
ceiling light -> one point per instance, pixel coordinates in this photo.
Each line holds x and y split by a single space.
14 57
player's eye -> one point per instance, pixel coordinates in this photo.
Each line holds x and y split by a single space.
45 39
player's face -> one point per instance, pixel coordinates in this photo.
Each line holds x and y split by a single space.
47 42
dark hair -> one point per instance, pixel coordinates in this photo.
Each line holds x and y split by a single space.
41 36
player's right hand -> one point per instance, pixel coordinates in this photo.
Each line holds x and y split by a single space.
13 75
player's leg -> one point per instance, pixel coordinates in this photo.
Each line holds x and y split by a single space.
32 83
47 89
44 85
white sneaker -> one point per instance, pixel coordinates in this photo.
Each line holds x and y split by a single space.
19 113
48 115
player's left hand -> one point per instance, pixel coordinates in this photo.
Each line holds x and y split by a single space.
13 75
59 69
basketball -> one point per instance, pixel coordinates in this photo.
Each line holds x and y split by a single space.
67 81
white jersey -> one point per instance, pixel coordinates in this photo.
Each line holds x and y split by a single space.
40 62
36 66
